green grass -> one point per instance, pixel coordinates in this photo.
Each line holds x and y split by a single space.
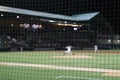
22 73
100 60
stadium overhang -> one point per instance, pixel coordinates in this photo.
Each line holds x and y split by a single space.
76 17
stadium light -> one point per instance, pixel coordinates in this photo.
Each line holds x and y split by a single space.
118 41
51 21
40 26
18 17
12 25
75 29
109 40
21 25
26 25
65 22
1 14
74 25
80 25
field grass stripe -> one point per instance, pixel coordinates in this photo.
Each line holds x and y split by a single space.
60 67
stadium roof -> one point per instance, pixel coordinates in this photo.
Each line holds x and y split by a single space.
77 17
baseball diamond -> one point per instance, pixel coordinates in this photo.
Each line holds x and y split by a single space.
59 40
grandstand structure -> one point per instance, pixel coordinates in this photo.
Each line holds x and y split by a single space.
33 30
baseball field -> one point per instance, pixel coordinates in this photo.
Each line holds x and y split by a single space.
52 65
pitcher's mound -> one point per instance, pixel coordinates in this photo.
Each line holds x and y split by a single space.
111 74
73 56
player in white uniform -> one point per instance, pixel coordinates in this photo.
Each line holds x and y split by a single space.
95 48
68 52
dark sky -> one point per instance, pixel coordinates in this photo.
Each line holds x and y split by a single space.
108 8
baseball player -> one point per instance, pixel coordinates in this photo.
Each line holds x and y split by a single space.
68 51
95 48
